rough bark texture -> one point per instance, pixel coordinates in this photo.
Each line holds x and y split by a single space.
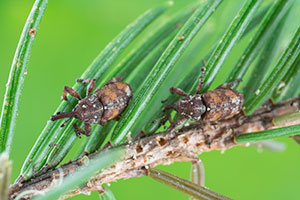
165 148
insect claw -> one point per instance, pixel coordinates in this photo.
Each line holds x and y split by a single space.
80 80
78 134
63 99
108 145
164 101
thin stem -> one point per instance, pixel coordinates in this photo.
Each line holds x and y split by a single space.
197 173
5 173
184 186
83 174
268 134
229 39
274 17
282 66
17 75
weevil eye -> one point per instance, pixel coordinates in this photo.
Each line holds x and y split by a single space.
203 108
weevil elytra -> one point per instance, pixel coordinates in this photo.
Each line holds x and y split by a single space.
106 103
218 104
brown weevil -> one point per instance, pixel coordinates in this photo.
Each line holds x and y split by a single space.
106 103
218 104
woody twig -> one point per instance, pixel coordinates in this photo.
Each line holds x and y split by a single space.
165 148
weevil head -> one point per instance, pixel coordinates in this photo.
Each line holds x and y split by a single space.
191 107
88 110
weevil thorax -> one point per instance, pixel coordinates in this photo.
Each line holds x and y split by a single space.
191 107
89 110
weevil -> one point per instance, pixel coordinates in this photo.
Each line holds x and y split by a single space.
218 104
106 103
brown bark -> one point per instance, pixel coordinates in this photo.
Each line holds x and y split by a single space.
165 148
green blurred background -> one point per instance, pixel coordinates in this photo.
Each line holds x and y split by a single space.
71 35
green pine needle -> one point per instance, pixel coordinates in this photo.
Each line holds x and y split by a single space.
132 120
17 75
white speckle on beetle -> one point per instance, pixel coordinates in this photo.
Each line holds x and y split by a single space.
235 100
128 91
111 104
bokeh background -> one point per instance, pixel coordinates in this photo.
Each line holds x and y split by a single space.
71 35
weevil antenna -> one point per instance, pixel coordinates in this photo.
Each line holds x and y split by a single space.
63 124
63 115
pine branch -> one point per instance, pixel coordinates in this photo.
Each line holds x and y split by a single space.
165 148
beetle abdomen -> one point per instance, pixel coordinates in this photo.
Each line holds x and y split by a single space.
222 104
115 98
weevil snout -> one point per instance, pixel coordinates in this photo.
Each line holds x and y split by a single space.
60 115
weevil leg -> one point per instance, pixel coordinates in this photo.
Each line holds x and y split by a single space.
165 116
140 135
65 122
200 86
170 119
107 145
228 85
72 92
178 91
88 129
101 123
79 130
164 101
168 107
91 86
178 122
115 79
